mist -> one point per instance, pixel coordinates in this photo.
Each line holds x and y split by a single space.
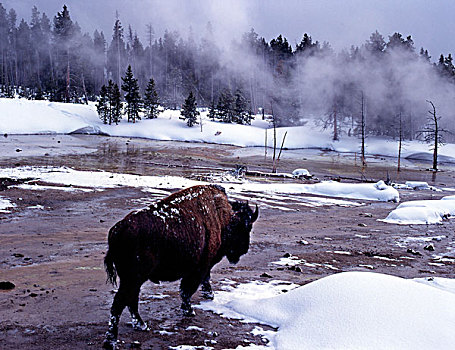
209 47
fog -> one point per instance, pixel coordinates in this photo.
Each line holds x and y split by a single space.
342 23
331 76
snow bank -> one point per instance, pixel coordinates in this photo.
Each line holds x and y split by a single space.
101 179
20 116
378 191
5 204
356 310
422 212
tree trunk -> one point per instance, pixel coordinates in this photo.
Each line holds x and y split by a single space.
400 144
364 163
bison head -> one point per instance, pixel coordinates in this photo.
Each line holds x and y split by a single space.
237 237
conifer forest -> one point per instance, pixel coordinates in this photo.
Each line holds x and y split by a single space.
387 78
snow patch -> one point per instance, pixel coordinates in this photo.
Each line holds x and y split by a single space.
5 204
358 310
422 212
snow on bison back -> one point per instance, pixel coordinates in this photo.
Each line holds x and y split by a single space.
179 237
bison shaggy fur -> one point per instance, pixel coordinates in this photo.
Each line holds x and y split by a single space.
179 237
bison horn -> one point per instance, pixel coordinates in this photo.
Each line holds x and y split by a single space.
255 215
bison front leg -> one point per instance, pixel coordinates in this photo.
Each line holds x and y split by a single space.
207 292
188 287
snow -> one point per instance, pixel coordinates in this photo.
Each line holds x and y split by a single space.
38 117
301 172
349 310
421 212
84 180
5 204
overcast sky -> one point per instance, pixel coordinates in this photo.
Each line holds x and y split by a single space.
340 22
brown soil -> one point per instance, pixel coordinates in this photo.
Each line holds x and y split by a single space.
54 255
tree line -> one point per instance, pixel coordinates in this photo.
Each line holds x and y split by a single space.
53 58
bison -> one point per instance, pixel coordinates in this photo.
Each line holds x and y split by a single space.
179 237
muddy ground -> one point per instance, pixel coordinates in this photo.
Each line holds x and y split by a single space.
53 253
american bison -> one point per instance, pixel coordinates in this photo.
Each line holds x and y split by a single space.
180 237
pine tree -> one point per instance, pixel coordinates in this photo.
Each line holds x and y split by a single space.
189 111
225 107
212 111
115 102
151 101
133 98
242 114
102 106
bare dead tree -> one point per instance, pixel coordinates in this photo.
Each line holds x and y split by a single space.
279 153
362 129
433 133
274 140
400 141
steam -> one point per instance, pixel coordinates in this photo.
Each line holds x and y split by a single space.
314 86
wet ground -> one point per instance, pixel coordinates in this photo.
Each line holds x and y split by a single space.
53 241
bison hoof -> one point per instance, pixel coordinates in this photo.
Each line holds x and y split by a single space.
188 311
109 343
140 327
208 295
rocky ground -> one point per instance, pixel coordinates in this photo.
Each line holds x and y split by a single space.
53 242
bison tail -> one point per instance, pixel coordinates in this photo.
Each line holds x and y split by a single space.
110 268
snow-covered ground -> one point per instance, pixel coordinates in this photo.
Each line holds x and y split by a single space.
20 116
422 212
268 194
349 310
5 205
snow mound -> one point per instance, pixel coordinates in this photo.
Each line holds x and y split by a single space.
422 212
89 130
357 310
428 157
44 117
5 204
301 172
417 185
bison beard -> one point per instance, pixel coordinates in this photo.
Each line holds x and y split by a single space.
180 237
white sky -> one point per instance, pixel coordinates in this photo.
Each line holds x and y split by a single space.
342 23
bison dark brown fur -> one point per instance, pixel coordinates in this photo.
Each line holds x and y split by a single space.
180 237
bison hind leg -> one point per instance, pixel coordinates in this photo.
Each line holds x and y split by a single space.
206 289
136 321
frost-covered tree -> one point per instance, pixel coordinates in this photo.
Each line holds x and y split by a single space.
132 96
189 110
151 101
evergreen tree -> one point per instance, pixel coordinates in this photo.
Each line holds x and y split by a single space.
151 101
116 54
115 103
242 114
189 110
225 107
109 104
212 111
133 98
102 106
63 35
